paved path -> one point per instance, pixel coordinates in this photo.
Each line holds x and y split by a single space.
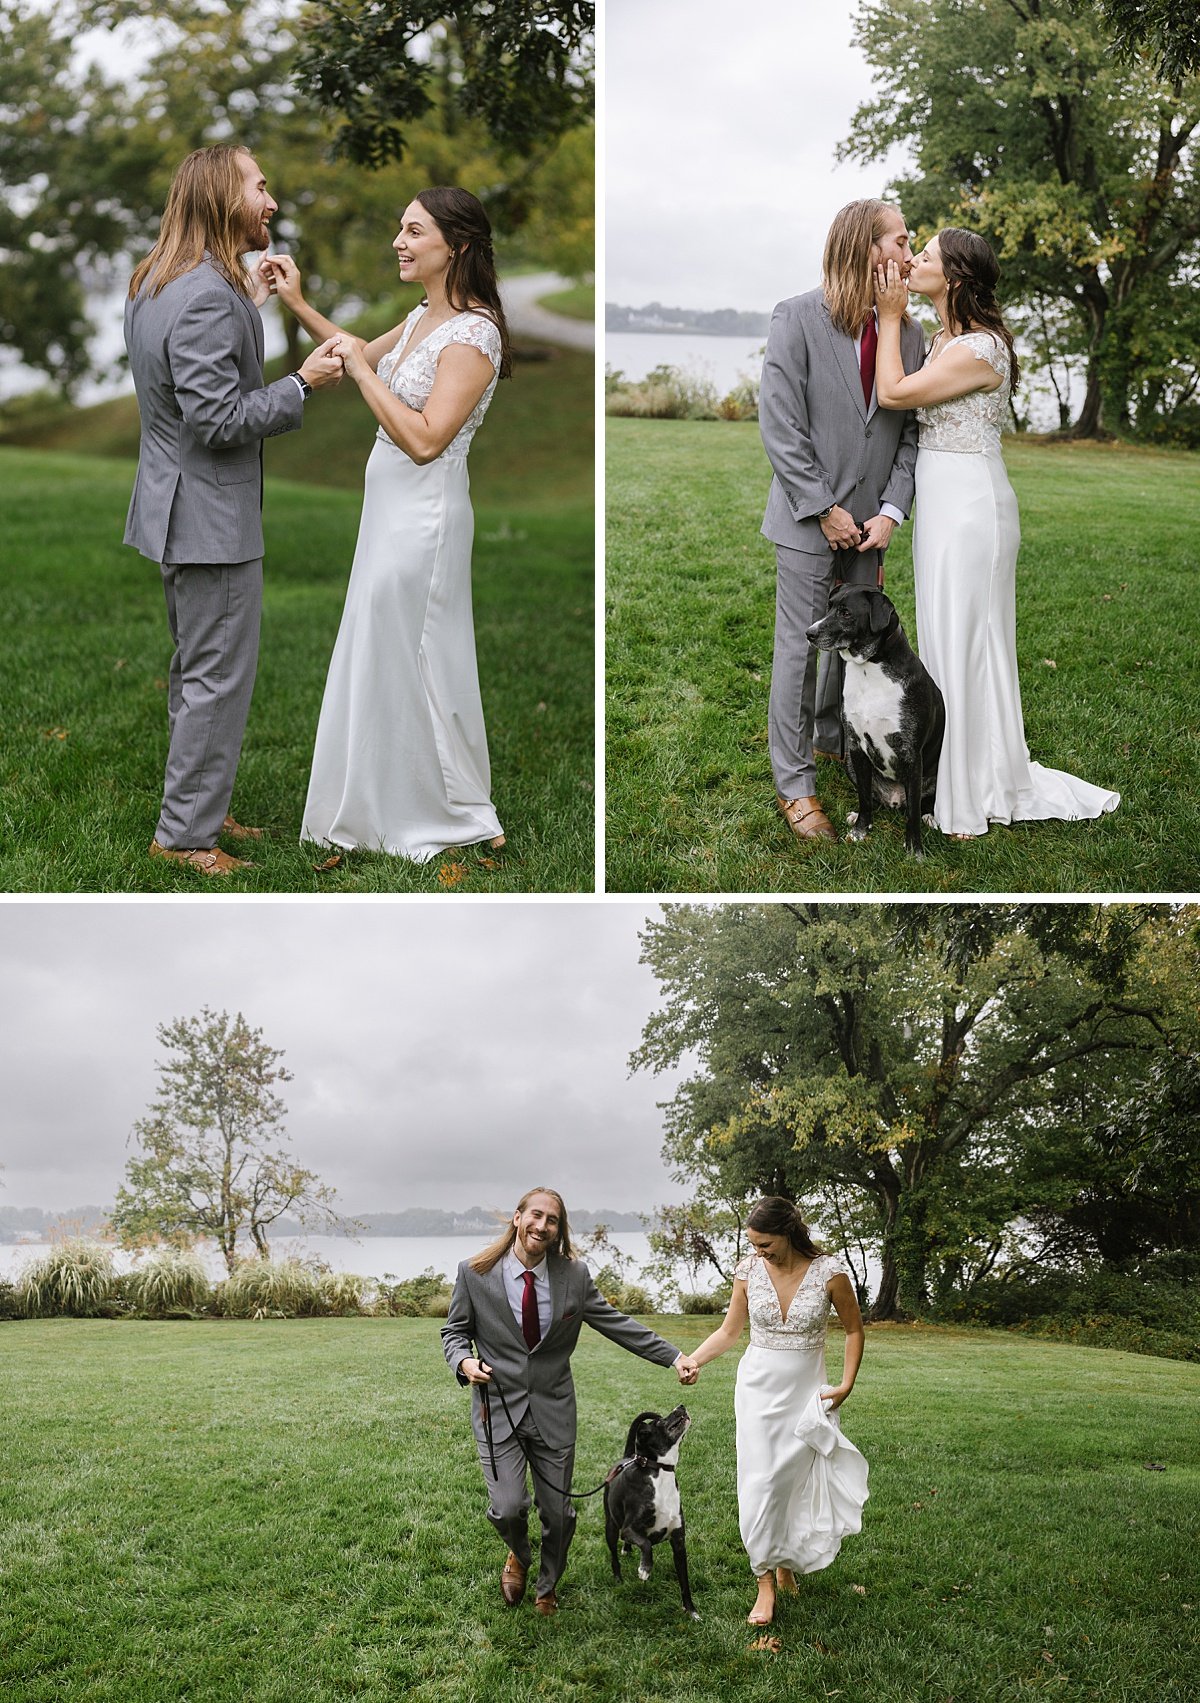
520 297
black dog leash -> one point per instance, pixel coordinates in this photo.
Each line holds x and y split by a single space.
562 1489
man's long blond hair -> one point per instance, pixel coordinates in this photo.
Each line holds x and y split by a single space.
205 210
846 265
495 1251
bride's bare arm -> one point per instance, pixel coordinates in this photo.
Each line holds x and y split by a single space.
463 374
958 371
841 1293
286 283
727 1334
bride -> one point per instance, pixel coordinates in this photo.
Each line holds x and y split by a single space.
401 758
801 1484
965 538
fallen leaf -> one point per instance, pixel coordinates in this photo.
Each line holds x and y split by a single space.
330 863
160 685
1049 662
1047 1657
54 733
450 874
119 663
860 1589
541 709
1151 1466
766 1642
488 862
1107 598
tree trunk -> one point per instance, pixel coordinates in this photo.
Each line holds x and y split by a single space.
1088 424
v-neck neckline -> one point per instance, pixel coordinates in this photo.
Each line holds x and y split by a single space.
784 1316
408 348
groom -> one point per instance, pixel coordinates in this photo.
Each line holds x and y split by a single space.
843 479
195 343
512 1327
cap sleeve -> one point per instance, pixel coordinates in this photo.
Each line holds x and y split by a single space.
742 1268
480 332
836 1266
986 346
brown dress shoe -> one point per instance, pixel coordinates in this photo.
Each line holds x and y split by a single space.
209 861
547 1604
237 831
806 819
512 1581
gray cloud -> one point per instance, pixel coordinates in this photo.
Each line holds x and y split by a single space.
444 1053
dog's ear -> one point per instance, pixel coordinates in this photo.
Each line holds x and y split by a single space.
631 1447
881 611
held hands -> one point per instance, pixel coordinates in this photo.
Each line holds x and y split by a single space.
324 366
891 292
351 351
687 1370
841 530
475 1371
877 533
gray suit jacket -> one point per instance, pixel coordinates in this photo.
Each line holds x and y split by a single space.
196 351
481 1324
823 444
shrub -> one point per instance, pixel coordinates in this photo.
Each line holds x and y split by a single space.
741 403
341 1293
169 1283
271 1289
10 1301
426 1296
76 1278
714 1302
666 393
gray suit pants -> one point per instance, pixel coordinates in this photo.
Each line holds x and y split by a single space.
214 613
509 1493
806 701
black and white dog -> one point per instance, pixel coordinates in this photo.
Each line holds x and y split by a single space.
641 1496
891 706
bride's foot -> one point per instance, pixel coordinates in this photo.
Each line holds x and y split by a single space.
763 1612
498 843
785 1581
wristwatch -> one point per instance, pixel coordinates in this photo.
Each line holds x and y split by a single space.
825 513
306 389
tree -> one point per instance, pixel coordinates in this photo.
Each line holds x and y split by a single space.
213 1159
1077 164
522 67
1167 30
905 1060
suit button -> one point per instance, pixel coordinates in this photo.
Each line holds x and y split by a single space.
867 433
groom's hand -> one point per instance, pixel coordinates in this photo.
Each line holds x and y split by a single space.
877 533
475 1371
687 1369
323 367
841 529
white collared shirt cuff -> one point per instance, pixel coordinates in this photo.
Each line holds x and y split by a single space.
892 513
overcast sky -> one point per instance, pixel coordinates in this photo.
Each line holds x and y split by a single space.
722 122
445 1054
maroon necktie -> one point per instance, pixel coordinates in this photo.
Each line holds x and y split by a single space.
531 1325
866 357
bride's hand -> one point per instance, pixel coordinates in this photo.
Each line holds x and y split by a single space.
835 1397
351 350
284 276
891 291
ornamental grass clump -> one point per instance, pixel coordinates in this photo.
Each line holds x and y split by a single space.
341 1293
169 1283
271 1289
75 1278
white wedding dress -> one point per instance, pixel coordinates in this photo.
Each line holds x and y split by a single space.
966 533
401 757
801 1483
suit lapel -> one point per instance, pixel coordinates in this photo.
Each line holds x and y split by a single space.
557 1271
498 1289
843 353
248 308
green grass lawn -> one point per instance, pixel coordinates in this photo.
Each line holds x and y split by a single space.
1107 593
577 302
279 1512
84 738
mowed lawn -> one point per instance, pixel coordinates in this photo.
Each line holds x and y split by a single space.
1108 628
288 1511
86 650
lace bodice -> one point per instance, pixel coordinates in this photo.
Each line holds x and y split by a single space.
808 1315
969 424
410 377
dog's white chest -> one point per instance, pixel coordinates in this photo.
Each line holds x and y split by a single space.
666 1499
873 704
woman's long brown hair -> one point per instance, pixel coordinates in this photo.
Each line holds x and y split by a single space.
471 275
204 210
972 271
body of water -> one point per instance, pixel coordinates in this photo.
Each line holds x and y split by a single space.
373 1256
725 360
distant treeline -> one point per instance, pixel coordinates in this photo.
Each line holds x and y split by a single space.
20 1222
712 322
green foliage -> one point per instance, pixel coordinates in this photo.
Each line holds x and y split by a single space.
425 1296
343 1293
271 1289
666 393
11 1304
1073 161
950 1072
168 1283
76 1278
522 67
1168 31
709 1301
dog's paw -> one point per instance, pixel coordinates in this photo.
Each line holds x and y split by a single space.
643 1572
692 1613
857 833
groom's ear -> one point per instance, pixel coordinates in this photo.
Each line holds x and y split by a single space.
881 611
